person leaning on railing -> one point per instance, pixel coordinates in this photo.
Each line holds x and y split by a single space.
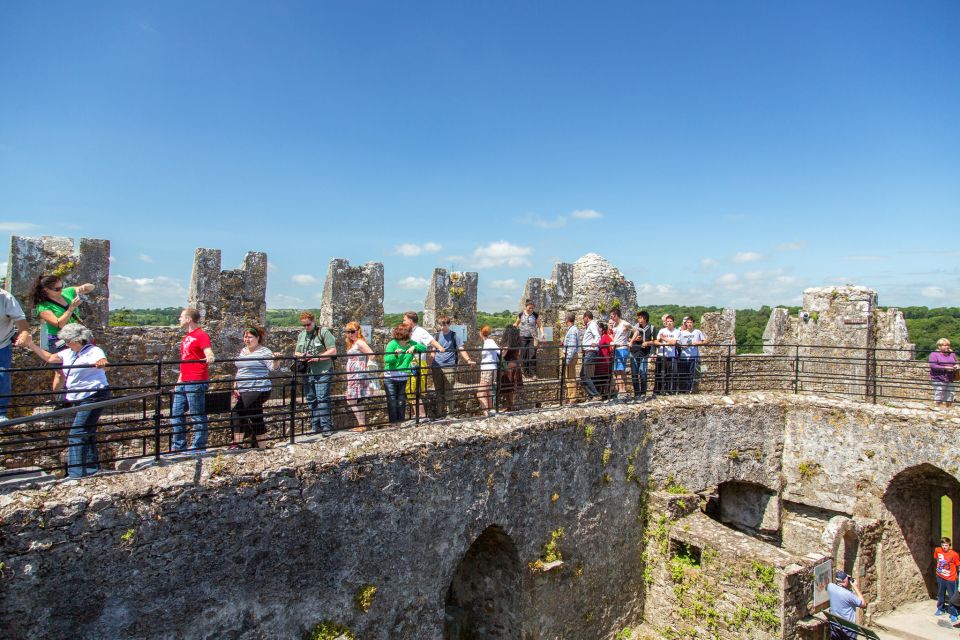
359 384
251 387
689 341
489 363
13 330
397 369
85 383
943 364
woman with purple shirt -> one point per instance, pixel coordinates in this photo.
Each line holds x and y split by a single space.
943 363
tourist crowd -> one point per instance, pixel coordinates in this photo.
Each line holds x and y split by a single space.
604 359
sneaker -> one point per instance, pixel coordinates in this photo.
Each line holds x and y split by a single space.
953 619
939 612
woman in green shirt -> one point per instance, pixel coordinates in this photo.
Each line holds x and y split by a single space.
396 370
56 305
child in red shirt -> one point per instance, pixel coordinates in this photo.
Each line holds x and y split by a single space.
947 561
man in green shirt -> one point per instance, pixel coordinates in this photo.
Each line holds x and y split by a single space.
318 346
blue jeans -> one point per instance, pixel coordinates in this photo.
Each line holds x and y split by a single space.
396 390
945 589
638 373
318 397
688 374
189 400
6 358
82 459
586 372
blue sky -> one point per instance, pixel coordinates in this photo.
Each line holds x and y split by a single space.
718 153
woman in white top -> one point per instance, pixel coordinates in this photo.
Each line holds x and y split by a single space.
85 383
359 357
251 387
489 360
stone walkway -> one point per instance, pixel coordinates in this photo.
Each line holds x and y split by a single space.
915 622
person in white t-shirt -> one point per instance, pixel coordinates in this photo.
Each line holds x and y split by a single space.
666 380
621 351
85 383
13 330
489 363
689 341
422 371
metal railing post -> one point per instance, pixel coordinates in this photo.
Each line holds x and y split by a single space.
156 412
417 395
563 373
293 402
726 372
796 368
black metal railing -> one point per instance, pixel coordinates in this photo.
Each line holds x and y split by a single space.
137 424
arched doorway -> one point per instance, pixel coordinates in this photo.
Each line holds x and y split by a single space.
483 600
918 509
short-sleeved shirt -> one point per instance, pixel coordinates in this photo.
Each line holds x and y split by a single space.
621 333
490 355
83 382
448 341
68 293
421 336
192 349
646 334
668 351
315 342
528 324
843 602
688 338
10 312
253 370
947 562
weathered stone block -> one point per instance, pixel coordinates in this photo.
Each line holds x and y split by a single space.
453 294
352 293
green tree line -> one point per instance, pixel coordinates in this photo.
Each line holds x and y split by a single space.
926 325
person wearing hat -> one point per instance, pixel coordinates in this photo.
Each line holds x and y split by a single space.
845 597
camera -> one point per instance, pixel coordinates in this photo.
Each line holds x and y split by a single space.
804 315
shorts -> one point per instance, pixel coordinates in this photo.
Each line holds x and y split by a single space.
620 359
943 391
486 377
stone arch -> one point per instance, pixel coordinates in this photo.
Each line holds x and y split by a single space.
842 538
911 529
483 600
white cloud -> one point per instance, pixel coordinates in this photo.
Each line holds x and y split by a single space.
272 267
510 283
283 301
145 293
791 246
648 290
3 268
727 279
746 256
304 279
413 282
937 293
111 259
17 227
501 254
708 263
586 214
410 250
145 258
864 258
543 223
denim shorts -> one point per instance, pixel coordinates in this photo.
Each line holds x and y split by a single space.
621 357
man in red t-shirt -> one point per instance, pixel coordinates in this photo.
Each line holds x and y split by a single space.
947 561
189 396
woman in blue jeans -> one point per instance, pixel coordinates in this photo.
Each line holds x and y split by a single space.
396 370
85 383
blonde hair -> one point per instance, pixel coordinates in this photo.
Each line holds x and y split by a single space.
354 325
943 341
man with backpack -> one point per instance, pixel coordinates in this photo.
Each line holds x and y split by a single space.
641 345
444 366
317 346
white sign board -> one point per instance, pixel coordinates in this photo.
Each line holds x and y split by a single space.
461 331
822 574
548 334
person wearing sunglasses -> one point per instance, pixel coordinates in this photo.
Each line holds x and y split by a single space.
56 306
